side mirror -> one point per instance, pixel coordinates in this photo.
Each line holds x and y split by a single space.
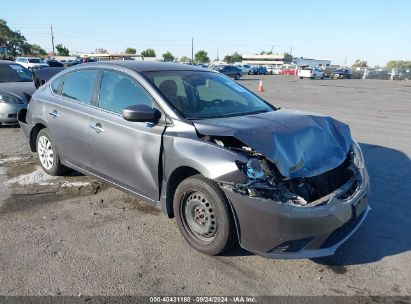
141 113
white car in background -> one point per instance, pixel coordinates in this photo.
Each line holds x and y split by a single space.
31 63
245 68
273 70
311 73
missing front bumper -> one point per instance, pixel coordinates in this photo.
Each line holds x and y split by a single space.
278 230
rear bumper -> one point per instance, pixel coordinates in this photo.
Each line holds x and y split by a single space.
277 230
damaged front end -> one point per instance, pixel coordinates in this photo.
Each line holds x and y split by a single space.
296 217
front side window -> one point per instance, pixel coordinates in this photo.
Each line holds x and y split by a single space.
206 94
118 91
79 85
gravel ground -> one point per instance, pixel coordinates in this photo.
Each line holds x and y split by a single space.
74 236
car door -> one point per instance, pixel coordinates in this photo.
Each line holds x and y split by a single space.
124 152
68 116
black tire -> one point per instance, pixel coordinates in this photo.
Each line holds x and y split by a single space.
301 77
56 168
237 76
200 193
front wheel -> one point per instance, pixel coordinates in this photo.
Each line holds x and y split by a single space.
237 76
203 215
47 153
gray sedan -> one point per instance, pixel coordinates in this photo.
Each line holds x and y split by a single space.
230 167
16 88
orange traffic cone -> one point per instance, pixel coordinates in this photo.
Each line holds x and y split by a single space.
260 87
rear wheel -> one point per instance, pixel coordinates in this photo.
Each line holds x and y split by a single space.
203 215
237 76
47 153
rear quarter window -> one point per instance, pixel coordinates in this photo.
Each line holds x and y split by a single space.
56 84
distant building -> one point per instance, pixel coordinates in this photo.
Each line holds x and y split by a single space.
311 62
271 59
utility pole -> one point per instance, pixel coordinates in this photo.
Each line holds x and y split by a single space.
192 49
345 62
52 38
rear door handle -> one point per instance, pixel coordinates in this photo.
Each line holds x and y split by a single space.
54 114
97 127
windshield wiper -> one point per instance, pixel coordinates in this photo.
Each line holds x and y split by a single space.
255 112
228 115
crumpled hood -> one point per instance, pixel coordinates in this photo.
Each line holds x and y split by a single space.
24 90
299 144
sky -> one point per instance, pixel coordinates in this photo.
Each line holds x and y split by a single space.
376 31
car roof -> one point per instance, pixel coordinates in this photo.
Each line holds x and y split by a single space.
8 62
146 66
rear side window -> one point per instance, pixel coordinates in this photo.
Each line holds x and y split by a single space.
56 85
79 85
118 91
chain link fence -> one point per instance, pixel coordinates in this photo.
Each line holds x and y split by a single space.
381 73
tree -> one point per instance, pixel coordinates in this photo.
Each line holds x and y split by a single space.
235 57
62 50
201 56
14 41
185 59
167 56
101 51
399 64
130 50
36 50
148 53
359 64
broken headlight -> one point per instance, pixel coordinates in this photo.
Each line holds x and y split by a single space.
255 169
357 157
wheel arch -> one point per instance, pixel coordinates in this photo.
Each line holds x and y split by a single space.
33 135
176 177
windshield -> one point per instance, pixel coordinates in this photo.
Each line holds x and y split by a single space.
200 95
34 60
14 73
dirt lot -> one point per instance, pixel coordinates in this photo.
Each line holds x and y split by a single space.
74 236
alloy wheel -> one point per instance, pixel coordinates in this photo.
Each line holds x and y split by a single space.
45 152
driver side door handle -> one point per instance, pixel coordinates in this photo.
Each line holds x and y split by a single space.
97 127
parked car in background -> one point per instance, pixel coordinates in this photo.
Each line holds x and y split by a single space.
31 63
53 63
245 68
289 70
227 165
231 71
311 73
259 70
81 60
273 70
341 74
16 88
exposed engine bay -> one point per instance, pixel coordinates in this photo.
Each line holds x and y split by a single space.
266 182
